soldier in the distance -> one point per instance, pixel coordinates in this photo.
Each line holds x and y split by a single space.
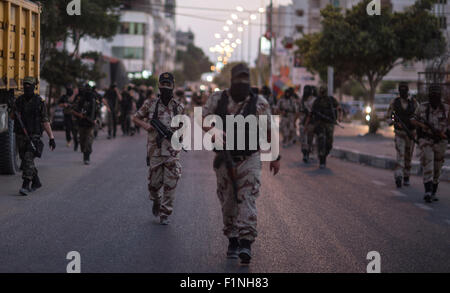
287 108
307 131
400 112
32 112
432 124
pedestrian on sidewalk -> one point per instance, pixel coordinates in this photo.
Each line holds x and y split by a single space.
326 113
238 172
307 131
30 120
163 160
432 122
399 114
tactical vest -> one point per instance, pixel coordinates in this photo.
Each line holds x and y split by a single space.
326 107
404 114
30 113
423 134
249 109
88 107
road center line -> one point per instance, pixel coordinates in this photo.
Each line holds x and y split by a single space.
423 207
378 183
398 193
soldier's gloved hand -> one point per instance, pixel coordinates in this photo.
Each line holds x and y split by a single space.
52 144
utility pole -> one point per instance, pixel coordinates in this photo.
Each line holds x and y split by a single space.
271 43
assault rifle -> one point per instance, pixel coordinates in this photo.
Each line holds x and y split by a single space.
431 132
163 132
325 117
404 127
36 149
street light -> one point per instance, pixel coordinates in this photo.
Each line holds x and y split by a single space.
253 17
234 16
240 9
230 35
229 22
246 22
226 28
240 29
261 10
217 36
238 41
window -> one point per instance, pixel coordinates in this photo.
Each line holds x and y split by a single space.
132 28
128 52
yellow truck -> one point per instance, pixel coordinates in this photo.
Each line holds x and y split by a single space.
19 57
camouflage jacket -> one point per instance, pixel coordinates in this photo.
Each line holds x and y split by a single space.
165 115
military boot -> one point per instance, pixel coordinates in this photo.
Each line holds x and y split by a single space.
75 146
398 182
35 183
428 191
305 157
323 162
233 248
406 181
164 220
433 193
86 159
25 190
245 252
156 208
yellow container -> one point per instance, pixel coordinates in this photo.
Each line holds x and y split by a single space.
20 42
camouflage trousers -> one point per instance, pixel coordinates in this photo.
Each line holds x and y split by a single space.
432 159
86 139
325 136
307 137
27 157
240 219
288 128
404 147
164 174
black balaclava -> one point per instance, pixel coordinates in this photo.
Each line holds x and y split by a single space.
403 90
166 94
69 91
307 91
29 90
323 91
435 95
239 91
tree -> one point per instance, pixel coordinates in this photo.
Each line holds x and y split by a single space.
369 47
194 63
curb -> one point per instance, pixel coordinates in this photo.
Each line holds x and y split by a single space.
381 162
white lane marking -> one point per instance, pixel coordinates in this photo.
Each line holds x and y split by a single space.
378 183
423 207
398 193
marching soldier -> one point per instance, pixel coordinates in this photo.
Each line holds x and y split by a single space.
66 102
400 112
30 115
164 161
287 108
307 131
238 173
432 123
326 112
87 110
112 101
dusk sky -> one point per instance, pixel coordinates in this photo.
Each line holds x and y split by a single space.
204 29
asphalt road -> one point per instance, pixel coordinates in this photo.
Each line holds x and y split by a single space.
310 220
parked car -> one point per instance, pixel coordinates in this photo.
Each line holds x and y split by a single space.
58 119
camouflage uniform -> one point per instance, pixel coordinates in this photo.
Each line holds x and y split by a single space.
33 114
326 106
88 104
433 152
287 108
165 168
240 220
307 132
404 145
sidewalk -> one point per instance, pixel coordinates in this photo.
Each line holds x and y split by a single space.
353 145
